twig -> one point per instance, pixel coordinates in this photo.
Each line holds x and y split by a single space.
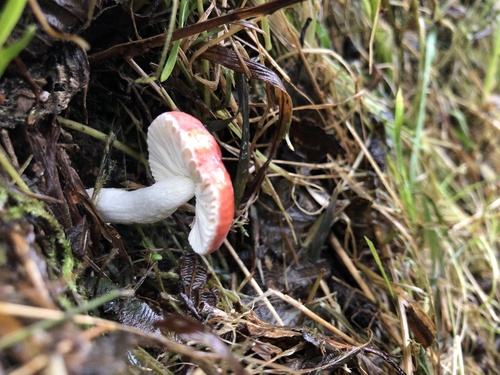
299 306
254 283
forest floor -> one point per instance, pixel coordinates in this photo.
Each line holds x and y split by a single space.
362 142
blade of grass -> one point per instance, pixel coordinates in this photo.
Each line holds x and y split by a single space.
374 7
432 238
172 57
430 51
491 72
267 31
11 171
380 266
11 13
7 54
171 60
405 190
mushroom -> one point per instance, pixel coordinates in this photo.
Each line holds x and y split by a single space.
185 161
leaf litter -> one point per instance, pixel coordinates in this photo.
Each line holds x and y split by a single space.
312 147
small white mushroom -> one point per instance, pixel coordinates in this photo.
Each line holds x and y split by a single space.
185 161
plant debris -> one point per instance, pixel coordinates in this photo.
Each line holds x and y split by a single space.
361 139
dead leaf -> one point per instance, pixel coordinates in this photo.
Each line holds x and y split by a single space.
420 324
190 330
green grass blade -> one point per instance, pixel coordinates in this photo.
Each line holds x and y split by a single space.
405 189
171 60
380 266
172 57
11 13
398 125
430 51
491 72
432 238
7 54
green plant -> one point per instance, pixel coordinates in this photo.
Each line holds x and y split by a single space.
9 17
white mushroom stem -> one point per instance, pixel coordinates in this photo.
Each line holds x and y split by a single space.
143 206
185 161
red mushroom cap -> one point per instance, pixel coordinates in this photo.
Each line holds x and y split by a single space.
179 145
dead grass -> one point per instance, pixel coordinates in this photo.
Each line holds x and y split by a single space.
367 235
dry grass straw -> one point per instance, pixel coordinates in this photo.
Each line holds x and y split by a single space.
441 190
439 193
